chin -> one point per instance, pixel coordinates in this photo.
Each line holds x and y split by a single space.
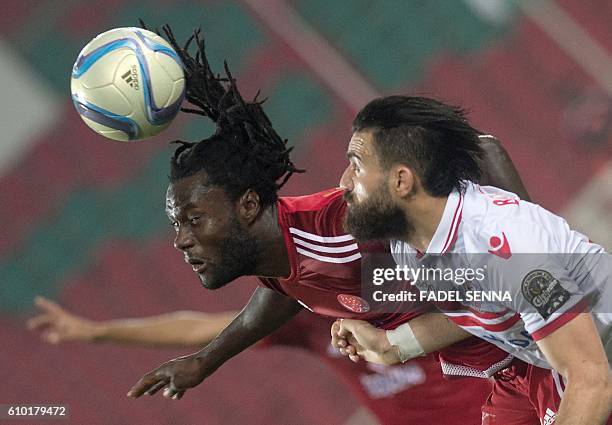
212 284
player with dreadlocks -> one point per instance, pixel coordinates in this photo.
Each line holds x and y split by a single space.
241 163
229 221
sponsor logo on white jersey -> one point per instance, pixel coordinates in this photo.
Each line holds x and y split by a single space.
500 246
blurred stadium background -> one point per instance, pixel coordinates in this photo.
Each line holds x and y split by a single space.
83 219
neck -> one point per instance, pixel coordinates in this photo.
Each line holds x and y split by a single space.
273 256
425 214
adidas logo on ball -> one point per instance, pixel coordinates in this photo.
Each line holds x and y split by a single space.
128 84
131 77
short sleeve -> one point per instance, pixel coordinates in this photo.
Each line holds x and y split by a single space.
540 290
546 286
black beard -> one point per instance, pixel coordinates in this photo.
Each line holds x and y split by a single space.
238 256
376 218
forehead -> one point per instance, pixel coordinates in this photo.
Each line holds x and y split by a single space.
361 144
192 192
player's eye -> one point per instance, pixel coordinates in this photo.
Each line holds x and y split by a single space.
175 225
194 220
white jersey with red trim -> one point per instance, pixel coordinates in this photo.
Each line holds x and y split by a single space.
538 273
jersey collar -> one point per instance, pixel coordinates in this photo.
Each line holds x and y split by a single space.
446 233
291 251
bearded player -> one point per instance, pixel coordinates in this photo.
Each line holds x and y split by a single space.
222 202
557 316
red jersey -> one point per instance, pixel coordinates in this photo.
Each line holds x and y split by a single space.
411 393
326 278
325 260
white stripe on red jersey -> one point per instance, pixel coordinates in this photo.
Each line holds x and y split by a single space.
319 238
337 260
323 248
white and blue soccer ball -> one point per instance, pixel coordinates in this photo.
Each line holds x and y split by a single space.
128 84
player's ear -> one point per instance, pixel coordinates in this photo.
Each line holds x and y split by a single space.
402 181
249 206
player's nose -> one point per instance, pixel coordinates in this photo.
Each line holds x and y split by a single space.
346 182
183 239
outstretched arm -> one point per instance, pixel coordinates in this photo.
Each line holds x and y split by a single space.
179 328
424 334
266 311
498 169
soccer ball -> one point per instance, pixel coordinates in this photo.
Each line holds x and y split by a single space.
128 84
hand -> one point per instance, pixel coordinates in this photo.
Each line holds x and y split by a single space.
346 343
57 325
176 376
359 339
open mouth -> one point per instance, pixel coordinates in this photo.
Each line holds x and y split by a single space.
198 266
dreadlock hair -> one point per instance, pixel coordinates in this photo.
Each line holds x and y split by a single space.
434 139
245 152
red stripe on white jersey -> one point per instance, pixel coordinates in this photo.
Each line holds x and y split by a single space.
452 234
502 324
455 307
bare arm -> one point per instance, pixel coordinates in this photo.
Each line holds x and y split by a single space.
265 312
180 328
359 339
576 352
435 331
498 169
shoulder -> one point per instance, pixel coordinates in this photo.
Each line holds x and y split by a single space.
314 202
320 213
494 220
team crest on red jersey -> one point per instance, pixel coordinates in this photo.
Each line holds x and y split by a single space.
500 247
353 303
